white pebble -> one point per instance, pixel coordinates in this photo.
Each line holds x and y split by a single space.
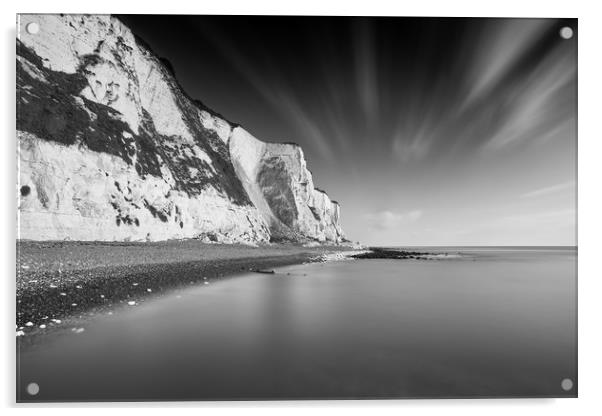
43 326
77 330
20 333
74 304
63 294
102 296
53 286
206 283
149 290
78 286
24 266
29 323
134 284
56 321
131 303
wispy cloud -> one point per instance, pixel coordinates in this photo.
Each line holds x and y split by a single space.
275 91
366 74
548 190
501 46
538 106
384 220
414 149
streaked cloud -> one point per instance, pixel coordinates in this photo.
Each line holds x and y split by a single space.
365 70
415 149
500 47
276 91
472 120
536 106
548 190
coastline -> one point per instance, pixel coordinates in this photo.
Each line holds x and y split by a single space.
59 280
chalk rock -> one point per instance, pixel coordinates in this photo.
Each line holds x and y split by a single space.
111 148
277 180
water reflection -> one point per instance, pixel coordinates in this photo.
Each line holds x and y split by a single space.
502 325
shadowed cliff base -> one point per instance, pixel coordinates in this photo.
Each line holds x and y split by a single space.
58 280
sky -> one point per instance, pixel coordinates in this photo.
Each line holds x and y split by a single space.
427 131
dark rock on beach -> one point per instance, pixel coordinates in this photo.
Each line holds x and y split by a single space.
384 253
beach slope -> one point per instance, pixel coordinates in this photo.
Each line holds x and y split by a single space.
57 280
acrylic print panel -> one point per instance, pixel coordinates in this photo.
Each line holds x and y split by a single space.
173 243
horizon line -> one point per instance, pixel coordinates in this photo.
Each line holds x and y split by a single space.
491 246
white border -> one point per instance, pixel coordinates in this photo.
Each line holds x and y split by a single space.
590 189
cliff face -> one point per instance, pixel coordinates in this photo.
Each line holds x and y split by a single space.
111 148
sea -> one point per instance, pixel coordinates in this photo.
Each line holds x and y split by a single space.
479 322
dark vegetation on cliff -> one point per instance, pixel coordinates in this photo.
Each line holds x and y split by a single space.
50 107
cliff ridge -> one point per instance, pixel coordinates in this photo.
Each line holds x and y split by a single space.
112 149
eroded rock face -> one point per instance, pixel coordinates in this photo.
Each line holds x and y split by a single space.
111 148
277 180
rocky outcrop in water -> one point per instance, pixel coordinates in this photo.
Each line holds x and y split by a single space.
111 148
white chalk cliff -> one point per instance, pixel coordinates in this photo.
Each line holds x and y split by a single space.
111 148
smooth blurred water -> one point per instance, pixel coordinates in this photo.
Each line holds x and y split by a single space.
492 323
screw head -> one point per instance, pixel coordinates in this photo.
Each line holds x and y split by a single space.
32 28
33 389
566 32
566 384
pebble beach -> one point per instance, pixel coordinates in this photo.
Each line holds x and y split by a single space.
57 281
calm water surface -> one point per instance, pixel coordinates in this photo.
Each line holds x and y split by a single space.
491 323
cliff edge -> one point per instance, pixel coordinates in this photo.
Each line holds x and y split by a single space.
111 148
